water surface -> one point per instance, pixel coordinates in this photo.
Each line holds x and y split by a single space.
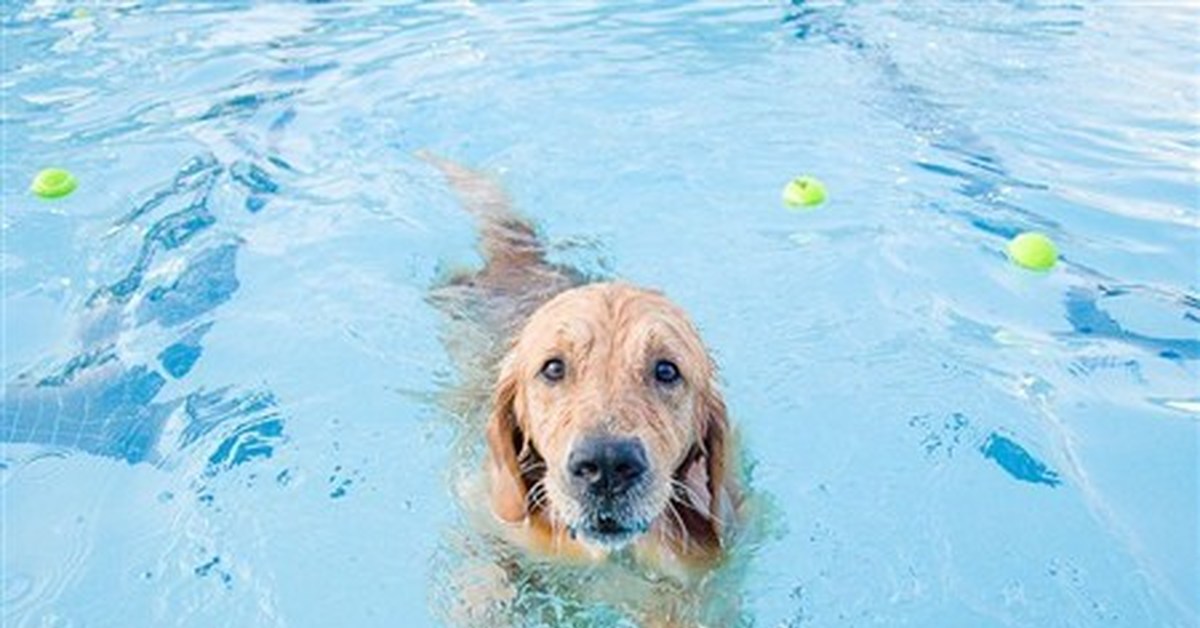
221 374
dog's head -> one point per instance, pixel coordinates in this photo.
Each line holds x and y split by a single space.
607 421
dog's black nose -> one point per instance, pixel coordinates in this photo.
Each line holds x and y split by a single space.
607 465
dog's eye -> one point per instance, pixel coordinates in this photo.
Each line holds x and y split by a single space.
665 372
554 370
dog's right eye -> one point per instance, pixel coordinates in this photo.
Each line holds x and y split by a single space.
554 370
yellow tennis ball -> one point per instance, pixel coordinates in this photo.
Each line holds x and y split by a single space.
1033 250
804 192
53 183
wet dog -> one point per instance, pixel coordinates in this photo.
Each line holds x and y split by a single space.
606 434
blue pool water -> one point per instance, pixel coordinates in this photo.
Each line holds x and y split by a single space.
223 383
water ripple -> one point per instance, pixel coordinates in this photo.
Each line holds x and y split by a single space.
106 401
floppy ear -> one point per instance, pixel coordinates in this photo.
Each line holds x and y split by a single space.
717 426
505 441
704 474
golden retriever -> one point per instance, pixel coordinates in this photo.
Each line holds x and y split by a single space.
606 433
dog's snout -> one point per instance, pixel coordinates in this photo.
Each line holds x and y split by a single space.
607 465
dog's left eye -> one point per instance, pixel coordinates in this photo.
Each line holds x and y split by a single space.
665 372
554 370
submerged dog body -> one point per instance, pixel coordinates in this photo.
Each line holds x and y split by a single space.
605 429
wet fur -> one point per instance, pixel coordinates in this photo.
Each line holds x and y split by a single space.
504 314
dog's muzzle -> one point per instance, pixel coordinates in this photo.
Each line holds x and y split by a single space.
608 476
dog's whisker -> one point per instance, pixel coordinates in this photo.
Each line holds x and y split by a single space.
667 533
694 502
532 464
536 497
684 536
687 490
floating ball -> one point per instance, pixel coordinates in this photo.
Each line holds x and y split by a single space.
1033 250
803 192
53 183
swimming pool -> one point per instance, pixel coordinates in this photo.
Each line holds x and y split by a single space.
223 383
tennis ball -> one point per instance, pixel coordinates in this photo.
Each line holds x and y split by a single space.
1033 250
803 192
53 183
